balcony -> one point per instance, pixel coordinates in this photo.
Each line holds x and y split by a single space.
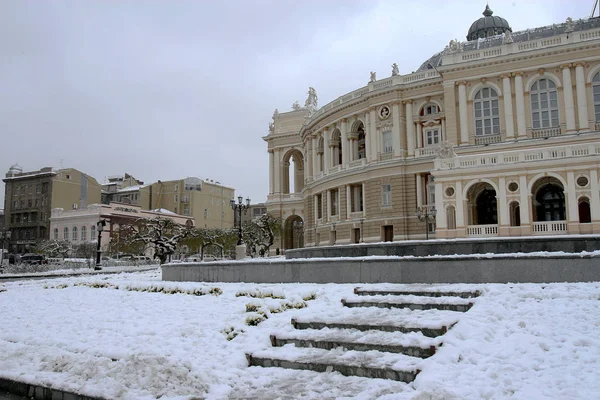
385 156
549 227
488 139
545 133
482 230
357 163
426 151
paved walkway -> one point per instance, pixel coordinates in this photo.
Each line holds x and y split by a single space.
76 272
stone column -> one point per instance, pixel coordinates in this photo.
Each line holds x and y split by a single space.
568 95
501 200
582 106
277 174
364 199
308 165
396 132
344 142
315 157
508 109
462 111
348 202
368 138
374 135
571 196
326 151
595 198
524 201
410 126
460 209
271 171
441 220
419 135
419 190
443 132
520 106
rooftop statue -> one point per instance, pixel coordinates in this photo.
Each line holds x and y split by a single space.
296 106
395 69
271 127
311 103
373 77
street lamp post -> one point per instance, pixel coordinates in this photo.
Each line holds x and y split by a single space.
99 227
4 237
424 214
238 208
334 232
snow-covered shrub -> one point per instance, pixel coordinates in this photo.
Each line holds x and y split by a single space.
253 320
231 332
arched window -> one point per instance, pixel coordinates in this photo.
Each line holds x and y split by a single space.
74 234
550 203
487 114
515 213
83 233
544 104
55 233
596 92
66 233
585 215
361 143
451 217
92 233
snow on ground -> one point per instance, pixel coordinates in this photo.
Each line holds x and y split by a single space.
104 336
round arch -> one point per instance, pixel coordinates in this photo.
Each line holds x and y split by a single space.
419 107
591 73
296 174
356 125
482 85
476 181
539 176
482 204
548 75
293 232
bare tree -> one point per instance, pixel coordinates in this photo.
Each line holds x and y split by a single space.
54 248
161 234
260 233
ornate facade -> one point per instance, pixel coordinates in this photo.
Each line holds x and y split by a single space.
499 134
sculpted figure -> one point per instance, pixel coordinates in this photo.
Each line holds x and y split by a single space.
373 77
395 69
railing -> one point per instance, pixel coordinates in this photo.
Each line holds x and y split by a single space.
544 133
552 227
482 230
513 157
357 163
356 215
426 151
488 139
292 196
335 169
386 156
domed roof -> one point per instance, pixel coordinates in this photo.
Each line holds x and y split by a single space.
15 169
488 26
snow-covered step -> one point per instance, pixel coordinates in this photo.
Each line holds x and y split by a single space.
428 293
411 302
351 339
368 364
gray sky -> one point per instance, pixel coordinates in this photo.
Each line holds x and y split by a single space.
169 89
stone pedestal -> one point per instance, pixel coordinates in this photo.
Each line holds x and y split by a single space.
240 252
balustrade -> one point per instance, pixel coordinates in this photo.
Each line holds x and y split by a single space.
552 227
482 230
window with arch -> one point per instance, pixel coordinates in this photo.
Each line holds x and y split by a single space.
92 232
515 213
487 113
544 104
430 109
66 233
83 233
74 232
596 93
55 233
585 216
451 217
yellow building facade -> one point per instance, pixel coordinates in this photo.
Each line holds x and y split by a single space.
495 136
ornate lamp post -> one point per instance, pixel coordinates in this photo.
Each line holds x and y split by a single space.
427 215
362 220
99 227
298 226
4 237
239 207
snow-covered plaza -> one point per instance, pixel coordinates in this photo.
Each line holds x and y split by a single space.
133 336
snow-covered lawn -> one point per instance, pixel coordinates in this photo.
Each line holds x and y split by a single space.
114 336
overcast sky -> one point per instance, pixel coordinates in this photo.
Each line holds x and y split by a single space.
170 89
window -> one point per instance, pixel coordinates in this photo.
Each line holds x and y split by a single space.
176 199
487 115
186 211
66 233
544 104
386 195
206 213
55 233
83 233
68 177
432 109
319 206
387 141
432 137
74 233
92 232
16 204
37 188
596 94
334 202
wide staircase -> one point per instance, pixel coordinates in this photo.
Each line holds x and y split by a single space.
380 334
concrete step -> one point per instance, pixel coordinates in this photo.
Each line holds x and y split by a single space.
413 306
334 343
464 295
426 331
372 364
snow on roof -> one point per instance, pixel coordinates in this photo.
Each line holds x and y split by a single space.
164 211
130 189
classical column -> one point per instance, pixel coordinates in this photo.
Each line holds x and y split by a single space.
308 165
328 205
344 142
326 151
582 106
572 206
396 129
368 138
462 112
315 157
508 109
410 126
443 134
375 147
419 190
441 221
277 174
348 202
271 171
364 199
460 211
595 198
419 135
568 94
520 105
501 201
524 200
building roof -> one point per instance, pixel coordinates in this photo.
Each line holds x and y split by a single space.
487 26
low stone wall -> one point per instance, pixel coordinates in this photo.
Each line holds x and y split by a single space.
467 269
567 244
